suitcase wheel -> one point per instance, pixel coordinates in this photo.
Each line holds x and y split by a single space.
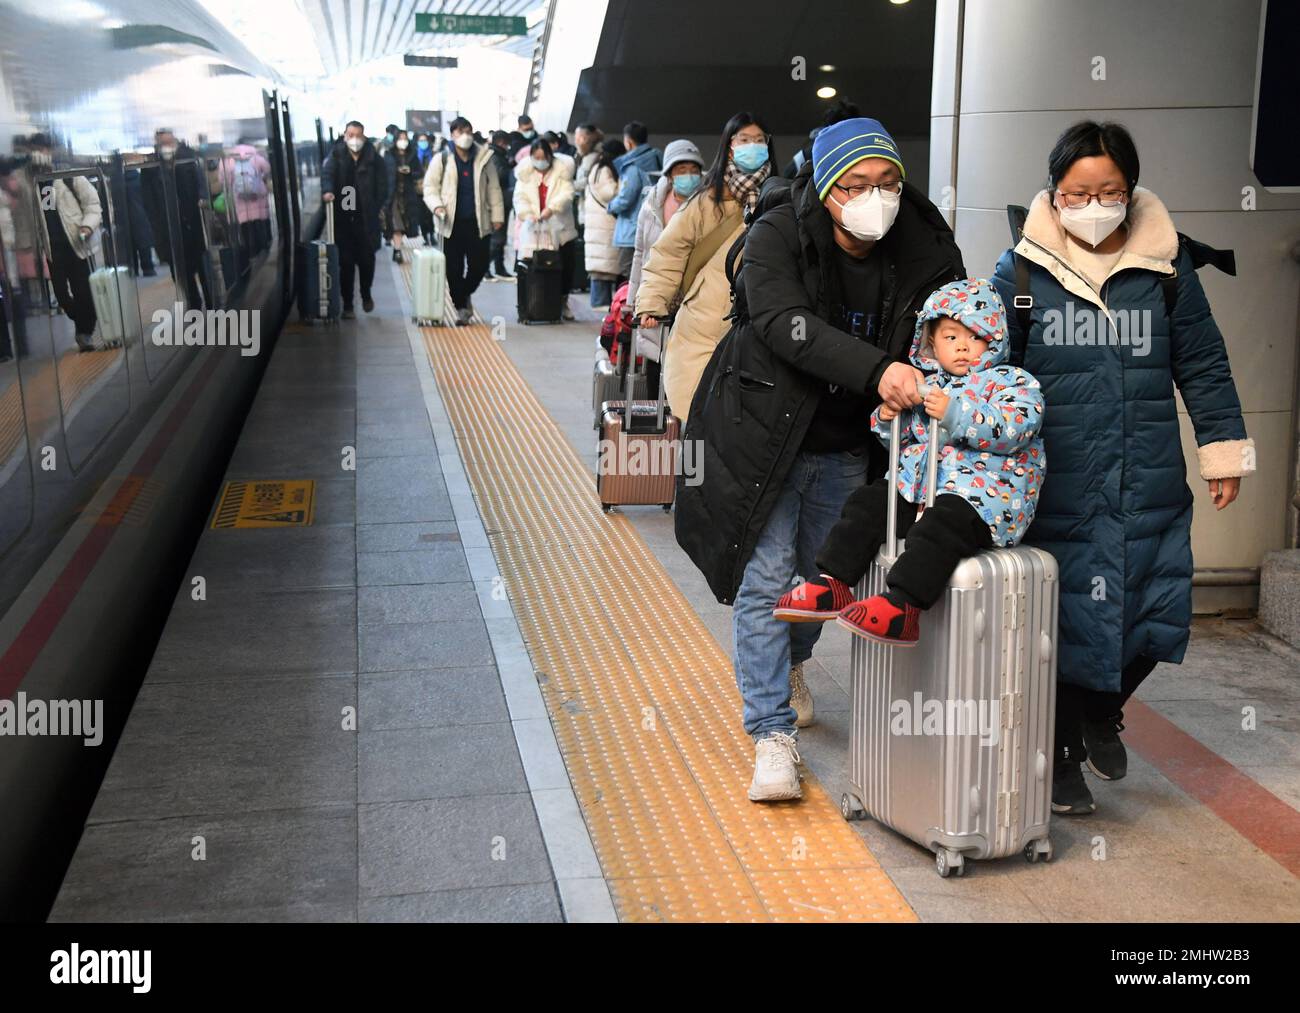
948 862
851 808
606 507
1041 848
668 507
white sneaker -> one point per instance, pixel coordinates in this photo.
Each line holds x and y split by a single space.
775 775
801 698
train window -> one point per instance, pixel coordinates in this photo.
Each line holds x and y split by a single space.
92 321
15 467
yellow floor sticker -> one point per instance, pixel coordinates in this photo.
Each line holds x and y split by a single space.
642 699
273 503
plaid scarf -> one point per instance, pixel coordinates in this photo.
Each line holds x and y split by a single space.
744 186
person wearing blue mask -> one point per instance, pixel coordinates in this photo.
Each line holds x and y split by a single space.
634 169
601 256
687 264
683 173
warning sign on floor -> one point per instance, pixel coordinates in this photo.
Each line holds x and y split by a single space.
268 504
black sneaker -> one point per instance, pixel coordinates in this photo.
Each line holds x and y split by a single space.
1106 756
1070 795
367 304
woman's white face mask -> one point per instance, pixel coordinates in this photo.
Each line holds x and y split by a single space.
869 216
1093 223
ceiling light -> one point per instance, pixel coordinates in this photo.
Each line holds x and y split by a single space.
827 67
826 92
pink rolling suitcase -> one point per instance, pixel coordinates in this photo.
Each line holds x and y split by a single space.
951 740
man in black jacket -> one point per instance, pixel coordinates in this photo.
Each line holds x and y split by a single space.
355 179
506 177
827 299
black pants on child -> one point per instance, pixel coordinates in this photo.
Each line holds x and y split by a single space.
946 534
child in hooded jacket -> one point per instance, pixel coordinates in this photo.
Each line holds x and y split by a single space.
990 469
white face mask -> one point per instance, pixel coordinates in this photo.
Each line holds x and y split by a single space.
869 216
355 144
1093 223
167 151
402 143
464 141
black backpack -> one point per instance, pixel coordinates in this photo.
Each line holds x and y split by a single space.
1202 254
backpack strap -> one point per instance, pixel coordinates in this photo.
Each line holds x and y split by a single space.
1201 254
1023 303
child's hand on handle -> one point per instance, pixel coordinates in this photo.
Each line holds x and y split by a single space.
936 403
1223 491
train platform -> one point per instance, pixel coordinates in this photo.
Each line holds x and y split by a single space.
444 685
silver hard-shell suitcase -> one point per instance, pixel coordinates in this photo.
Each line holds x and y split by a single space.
951 740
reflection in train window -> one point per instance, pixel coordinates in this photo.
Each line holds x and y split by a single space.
15 468
153 223
91 325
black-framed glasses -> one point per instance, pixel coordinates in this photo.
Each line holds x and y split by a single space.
895 187
1077 199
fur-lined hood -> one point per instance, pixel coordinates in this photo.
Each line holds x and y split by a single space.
1151 244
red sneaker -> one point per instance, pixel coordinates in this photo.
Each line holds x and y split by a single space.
814 601
881 620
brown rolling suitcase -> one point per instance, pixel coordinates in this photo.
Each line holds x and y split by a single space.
636 461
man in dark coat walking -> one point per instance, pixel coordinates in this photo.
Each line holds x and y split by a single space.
827 298
354 178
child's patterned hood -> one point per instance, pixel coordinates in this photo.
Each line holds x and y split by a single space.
973 302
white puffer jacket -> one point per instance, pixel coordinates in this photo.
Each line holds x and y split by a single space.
602 256
77 201
559 200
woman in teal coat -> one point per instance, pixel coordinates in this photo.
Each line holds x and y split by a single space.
1119 319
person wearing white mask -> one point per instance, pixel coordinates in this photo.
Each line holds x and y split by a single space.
835 269
1115 510
402 163
463 190
353 175
544 207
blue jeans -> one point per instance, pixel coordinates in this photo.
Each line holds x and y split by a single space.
602 291
811 498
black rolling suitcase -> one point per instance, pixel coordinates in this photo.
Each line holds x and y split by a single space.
319 294
540 294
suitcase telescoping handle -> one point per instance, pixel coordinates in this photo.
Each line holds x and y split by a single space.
932 454
664 324
329 222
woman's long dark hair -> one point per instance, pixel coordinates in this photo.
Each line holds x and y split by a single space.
610 149
1088 140
714 178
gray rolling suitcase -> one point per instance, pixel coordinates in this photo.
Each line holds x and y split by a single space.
951 740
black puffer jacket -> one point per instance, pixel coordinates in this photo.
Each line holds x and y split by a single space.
761 388
369 176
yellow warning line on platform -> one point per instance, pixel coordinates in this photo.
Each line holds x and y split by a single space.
642 698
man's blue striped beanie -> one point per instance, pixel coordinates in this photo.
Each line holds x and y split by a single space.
837 147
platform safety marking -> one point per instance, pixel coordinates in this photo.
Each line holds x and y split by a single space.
664 799
266 504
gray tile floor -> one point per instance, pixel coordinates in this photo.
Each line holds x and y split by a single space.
240 745
1150 852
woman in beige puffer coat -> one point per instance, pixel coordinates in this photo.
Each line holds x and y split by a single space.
709 222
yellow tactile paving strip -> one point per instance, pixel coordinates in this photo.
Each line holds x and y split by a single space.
642 698
78 370
11 422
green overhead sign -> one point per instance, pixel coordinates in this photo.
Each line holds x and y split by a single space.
470 24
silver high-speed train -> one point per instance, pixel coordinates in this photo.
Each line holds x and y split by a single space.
148 164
